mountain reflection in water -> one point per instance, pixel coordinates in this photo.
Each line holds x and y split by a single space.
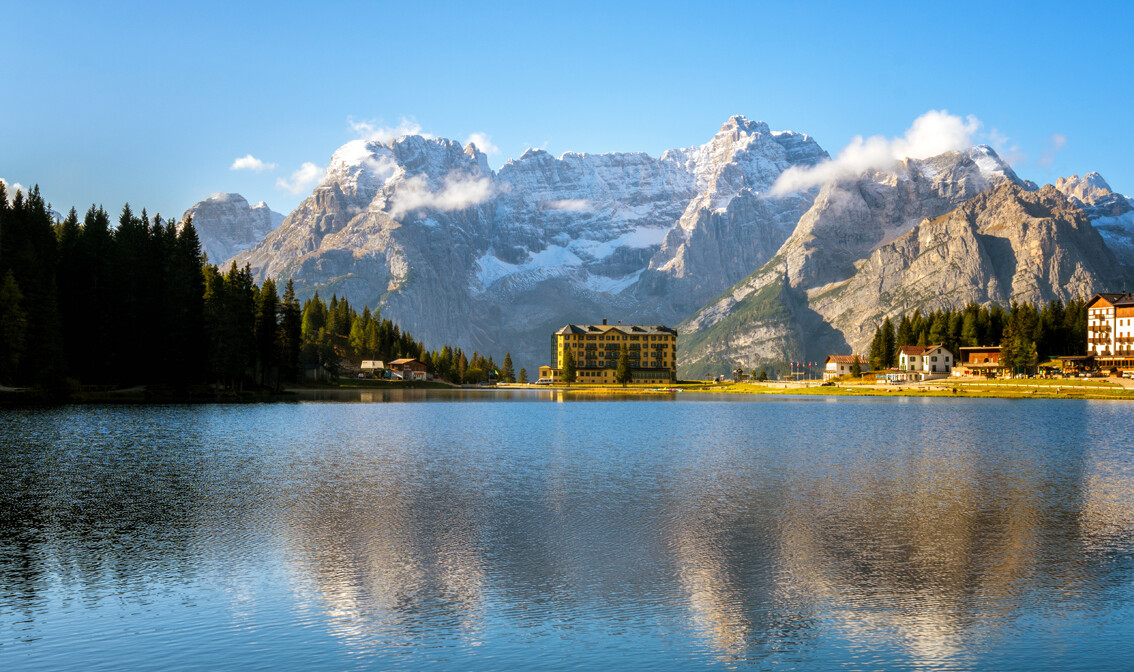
641 534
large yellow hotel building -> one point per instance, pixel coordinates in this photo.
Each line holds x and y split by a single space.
596 347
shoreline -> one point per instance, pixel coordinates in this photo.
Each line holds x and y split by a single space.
1094 389
1110 388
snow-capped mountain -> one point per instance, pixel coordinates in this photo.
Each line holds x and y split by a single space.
931 234
488 260
457 253
226 224
1110 212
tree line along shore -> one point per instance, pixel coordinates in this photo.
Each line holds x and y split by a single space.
87 305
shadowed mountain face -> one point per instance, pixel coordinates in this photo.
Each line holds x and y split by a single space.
495 261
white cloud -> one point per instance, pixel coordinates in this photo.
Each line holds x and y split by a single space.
483 142
375 132
569 204
457 193
12 188
933 133
301 180
249 162
1055 143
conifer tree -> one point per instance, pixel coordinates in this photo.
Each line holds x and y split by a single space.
523 378
969 331
290 334
905 335
568 366
889 344
266 330
875 355
29 249
623 373
13 324
507 373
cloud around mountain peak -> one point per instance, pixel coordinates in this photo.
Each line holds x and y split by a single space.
933 133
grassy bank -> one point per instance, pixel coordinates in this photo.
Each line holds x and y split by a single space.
976 389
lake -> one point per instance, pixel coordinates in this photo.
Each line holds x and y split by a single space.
433 530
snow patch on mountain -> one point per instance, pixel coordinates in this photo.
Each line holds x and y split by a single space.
549 262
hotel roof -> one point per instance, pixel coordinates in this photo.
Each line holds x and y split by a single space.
629 329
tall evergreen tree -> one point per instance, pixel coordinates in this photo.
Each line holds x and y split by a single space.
906 335
266 330
889 344
568 366
875 355
28 249
291 334
13 324
623 374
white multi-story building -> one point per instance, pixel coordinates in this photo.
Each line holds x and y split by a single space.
1110 330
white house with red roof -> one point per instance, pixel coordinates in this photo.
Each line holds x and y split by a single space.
842 365
925 359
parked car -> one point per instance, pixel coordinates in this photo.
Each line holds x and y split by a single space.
543 381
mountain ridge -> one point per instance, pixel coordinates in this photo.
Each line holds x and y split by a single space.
426 231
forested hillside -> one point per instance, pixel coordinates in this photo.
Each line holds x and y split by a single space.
83 302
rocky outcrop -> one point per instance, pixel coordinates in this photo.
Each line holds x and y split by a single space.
847 221
1003 245
1110 212
934 234
226 224
455 253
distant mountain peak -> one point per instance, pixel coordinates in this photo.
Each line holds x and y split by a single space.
1088 190
738 123
226 224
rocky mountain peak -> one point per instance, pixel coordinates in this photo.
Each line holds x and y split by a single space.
738 125
227 225
1110 212
1087 190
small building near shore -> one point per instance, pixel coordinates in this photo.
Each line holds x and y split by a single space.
925 359
842 365
982 360
408 368
373 368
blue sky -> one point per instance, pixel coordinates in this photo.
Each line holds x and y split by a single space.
152 103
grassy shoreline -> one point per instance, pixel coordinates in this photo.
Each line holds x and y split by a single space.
949 388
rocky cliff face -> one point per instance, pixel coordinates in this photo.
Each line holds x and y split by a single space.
1111 213
226 224
458 254
1003 245
934 233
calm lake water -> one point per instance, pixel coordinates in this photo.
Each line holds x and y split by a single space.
487 531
